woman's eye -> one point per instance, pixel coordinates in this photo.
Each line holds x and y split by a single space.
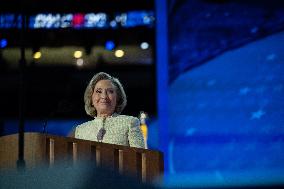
98 91
111 91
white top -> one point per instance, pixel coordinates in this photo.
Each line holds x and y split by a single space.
120 129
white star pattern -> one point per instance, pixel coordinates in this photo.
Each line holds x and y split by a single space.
244 91
270 57
257 115
254 29
230 107
190 131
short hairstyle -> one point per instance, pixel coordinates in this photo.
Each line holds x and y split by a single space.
121 96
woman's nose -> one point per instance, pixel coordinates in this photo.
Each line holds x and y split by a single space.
104 94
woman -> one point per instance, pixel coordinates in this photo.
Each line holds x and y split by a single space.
104 101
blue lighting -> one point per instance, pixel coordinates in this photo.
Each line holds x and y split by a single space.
3 43
109 45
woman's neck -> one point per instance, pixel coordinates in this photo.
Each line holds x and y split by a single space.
102 115
106 115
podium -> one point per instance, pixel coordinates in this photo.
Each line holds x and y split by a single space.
43 149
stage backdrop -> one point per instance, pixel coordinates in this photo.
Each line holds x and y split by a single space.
226 93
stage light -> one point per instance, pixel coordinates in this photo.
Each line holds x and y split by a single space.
37 55
78 20
144 45
109 45
113 24
78 54
3 43
119 53
80 62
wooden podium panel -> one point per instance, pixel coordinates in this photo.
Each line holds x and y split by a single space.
42 149
34 150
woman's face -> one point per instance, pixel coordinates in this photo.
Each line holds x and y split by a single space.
104 98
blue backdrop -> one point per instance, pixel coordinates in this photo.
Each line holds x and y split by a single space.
226 95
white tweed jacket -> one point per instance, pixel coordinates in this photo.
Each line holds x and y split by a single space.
120 129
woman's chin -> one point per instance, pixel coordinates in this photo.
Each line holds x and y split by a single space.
106 111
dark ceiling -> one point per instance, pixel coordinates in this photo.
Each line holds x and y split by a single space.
30 6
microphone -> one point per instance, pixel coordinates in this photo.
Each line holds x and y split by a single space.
102 131
44 130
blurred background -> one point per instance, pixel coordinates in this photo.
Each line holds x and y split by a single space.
209 74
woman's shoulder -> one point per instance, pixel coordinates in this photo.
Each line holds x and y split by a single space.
128 120
127 117
85 124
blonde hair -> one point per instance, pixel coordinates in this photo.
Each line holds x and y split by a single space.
121 96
